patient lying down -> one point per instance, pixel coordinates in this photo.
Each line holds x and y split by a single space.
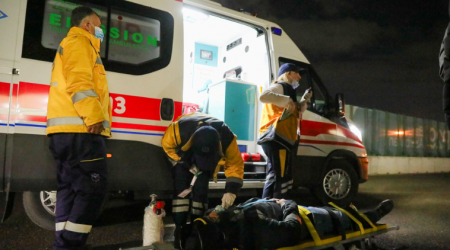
271 224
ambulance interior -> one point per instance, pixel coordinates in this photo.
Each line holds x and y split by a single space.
226 63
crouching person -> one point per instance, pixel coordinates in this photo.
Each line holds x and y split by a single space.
198 145
268 224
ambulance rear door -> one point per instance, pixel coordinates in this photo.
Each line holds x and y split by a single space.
9 21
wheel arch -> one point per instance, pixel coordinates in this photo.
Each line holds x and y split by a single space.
340 154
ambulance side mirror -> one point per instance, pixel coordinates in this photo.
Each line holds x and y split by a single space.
340 104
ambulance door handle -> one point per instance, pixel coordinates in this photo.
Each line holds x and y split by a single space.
167 109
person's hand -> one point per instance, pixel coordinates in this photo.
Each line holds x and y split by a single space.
280 201
291 107
95 128
306 96
228 200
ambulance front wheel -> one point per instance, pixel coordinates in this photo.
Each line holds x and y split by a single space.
40 207
339 184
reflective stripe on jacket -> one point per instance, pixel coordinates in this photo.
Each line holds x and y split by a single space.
79 95
272 129
178 134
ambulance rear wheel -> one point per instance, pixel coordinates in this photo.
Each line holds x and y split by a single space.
40 207
339 184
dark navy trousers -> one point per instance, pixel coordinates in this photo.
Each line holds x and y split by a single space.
279 171
82 181
196 201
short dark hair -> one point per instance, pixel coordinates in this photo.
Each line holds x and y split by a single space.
79 13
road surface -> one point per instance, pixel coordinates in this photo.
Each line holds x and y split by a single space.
422 208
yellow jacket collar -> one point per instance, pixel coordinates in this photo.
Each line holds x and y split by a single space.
75 31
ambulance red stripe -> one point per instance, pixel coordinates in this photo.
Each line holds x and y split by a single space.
31 118
313 128
35 96
331 143
138 126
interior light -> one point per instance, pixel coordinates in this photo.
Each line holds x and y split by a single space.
193 15
277 31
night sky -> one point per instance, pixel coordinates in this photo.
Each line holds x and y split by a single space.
381 54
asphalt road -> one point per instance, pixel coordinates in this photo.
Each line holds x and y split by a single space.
422 208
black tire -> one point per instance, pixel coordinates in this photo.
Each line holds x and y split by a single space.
339 184
36 211
44 215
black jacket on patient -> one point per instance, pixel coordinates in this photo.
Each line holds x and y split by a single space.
260 225
264 224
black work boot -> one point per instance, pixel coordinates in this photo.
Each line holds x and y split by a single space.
384 208
177 240
181 234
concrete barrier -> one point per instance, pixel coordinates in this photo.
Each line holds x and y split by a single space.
379 165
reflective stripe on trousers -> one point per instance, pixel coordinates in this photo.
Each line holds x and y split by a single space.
180 205
199 208
73 227
286 186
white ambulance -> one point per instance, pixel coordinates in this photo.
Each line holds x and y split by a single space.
163 58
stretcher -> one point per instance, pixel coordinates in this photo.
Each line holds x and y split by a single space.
365 233
360 239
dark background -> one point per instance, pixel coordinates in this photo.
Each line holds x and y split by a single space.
381 54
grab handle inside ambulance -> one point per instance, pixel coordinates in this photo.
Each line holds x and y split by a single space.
167 109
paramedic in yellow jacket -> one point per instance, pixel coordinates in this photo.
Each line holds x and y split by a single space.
278 135
198 145
78 120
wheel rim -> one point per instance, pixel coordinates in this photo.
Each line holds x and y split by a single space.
337 184
48 201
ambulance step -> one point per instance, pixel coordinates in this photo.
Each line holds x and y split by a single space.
247 175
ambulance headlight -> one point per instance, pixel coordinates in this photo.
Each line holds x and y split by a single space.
355 131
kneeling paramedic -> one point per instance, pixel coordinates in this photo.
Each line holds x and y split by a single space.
270 224
198 145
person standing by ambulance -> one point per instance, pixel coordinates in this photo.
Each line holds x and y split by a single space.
198 145
279 136
78 120
444 73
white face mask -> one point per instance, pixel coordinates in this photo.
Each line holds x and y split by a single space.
295 84
98 32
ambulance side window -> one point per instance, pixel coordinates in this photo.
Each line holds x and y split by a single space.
56 23
318 101
133 39
138 39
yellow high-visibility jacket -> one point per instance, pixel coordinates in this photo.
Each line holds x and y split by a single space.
79 95
272 128
176 142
